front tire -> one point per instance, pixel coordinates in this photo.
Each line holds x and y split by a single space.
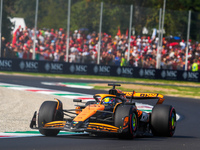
163 120
48 113
126 120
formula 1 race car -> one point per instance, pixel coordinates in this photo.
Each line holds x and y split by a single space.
114 113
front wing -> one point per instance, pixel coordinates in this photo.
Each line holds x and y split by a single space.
83 127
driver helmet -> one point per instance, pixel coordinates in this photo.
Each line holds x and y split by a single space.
108 101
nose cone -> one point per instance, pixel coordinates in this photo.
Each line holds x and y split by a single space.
88 112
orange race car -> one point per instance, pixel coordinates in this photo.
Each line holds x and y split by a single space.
114 113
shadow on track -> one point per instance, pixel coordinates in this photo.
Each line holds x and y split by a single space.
114 137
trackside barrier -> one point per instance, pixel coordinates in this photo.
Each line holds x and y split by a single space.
20 65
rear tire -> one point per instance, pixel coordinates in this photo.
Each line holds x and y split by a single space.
48 113
163 120
128 128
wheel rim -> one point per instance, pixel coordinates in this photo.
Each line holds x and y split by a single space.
173 121
134 122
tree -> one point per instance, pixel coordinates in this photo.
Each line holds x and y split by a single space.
26 10
52 14
6 24
116 13
87 15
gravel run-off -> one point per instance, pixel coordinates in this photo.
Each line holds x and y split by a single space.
17 108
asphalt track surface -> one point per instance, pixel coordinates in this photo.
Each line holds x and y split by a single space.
187 135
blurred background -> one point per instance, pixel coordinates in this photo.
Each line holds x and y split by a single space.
109 32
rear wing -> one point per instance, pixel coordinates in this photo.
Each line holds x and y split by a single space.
134 95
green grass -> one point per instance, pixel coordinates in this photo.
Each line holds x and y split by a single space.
167 89
108 78
164 90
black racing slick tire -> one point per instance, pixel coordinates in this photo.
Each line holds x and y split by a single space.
126 120
163 120
48 113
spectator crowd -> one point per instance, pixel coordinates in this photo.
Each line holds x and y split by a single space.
83 48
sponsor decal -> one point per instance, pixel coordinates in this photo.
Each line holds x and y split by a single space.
163 74
102 70
169 74
147 73
119 71
29 66
54 67
6 64
125 71
126 121
72 68
102 127
128 94
78 69
141 72
191 76
47 66
96 69
149 95
185 75
22 65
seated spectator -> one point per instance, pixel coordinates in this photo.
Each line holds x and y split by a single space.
51 45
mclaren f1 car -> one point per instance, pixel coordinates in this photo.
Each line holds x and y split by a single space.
112 113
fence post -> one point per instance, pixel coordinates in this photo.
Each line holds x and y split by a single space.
188 36
129 35
1 25
159 38
68 30
36 14
100 28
